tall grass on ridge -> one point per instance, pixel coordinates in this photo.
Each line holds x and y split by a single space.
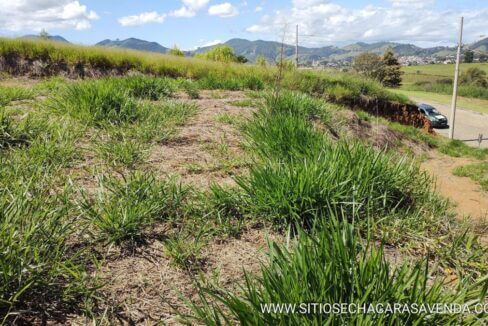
212 74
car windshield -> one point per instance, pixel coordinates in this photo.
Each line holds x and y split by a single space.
431 111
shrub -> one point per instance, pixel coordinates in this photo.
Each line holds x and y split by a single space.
475 77
176 52
220 53
369 65
392 70
333 265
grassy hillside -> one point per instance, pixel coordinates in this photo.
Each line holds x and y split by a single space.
120 196
439 70
438 79
99 61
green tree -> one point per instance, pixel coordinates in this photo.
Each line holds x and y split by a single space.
176 52
475 77
44 35
242 59
369 65
392 76
221 53
261 61
468 56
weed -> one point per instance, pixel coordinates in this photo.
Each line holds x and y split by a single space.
478 172
96 103
123 208
158 122
226 118
144 87
333 265
185 251
458 148
34 264
190 88
243 103
9 94
121 151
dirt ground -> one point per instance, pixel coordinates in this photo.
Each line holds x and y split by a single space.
469 199
205 150
144 287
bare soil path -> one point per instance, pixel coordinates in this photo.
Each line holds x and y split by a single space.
469 198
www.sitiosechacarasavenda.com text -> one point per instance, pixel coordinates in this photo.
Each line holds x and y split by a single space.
377 308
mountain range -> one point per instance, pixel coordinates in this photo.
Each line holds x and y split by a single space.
271 50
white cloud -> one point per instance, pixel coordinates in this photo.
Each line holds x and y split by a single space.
225 10
210 43
183 12
142 19
189 8
414 20
18 15
195 4
258 9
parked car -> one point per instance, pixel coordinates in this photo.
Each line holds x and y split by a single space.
437 119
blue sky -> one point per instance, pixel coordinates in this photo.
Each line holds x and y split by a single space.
192 23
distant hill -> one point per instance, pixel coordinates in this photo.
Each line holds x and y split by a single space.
55 38
481 46
134 44
271 50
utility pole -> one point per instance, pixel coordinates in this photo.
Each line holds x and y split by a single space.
455 88
296 48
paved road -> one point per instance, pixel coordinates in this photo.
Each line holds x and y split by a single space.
469 124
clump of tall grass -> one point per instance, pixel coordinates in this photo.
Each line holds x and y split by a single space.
10 133
212 74
299 173
354 177
9 94
145 87
158 121
478 172
334 266
96 102
123 207
119 150
35 266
